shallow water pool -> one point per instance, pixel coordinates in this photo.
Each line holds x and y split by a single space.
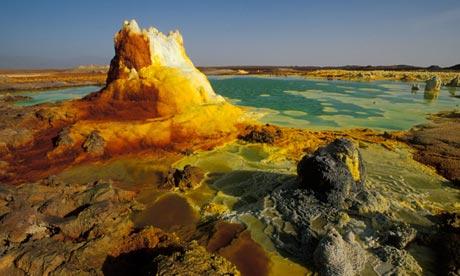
326 104
55 95
315 104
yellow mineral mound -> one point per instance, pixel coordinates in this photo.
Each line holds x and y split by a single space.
154 96
151 71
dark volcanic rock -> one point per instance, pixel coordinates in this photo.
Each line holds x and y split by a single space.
450 252
94 143
330 177
299 218
334 173
291 217
446 242
450 221
188 178
398 235
400 261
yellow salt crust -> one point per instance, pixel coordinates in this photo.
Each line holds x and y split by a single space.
353 166
193 123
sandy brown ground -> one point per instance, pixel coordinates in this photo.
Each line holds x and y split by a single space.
340 73
438 144
20 80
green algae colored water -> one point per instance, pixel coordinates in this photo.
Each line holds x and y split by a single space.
325 104
315 104
56 95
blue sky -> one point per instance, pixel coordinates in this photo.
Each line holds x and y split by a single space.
216 32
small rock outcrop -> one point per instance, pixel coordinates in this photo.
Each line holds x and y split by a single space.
399 262
194 260
94 143
398 235
334 173
261 134
433 84
188 178
336 257
64 139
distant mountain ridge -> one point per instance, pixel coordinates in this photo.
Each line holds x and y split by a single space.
251 68
398 67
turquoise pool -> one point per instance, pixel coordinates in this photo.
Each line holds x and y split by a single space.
56 95
321 104
317 104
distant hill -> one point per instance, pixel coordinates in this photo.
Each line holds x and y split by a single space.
455 67
269 69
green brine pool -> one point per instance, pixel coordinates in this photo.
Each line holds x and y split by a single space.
313 103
